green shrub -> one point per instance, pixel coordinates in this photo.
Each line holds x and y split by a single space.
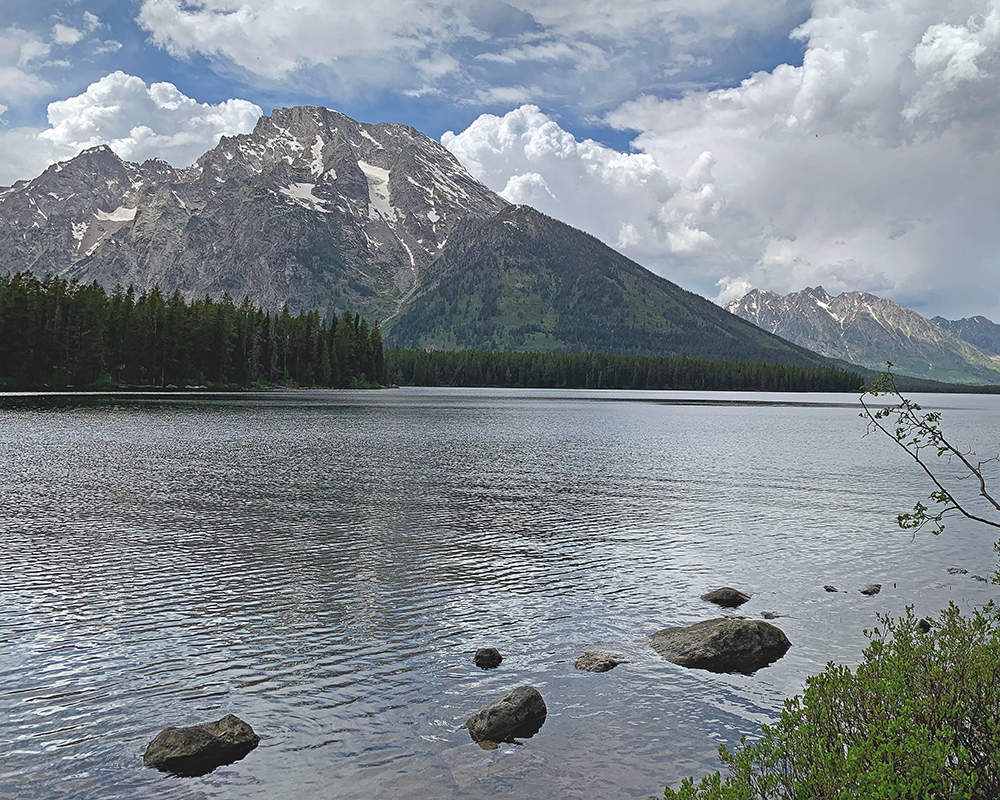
919 718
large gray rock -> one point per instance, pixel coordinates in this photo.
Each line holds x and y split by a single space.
519 714
722 645
200 748
727 597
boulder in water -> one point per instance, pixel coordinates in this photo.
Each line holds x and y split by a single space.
488 658
199 749
724 644
517 715
598 661
726 597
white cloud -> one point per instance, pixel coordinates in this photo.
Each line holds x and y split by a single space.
872 166
625 199
565 46
92 22
138 121
272 38
18 50
65 34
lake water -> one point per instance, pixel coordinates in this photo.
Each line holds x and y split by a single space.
325 564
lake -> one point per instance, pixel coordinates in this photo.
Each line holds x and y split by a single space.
324 565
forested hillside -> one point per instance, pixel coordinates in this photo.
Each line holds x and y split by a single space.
522 281
57 335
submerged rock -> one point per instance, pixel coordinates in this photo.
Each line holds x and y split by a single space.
488 658
830 588
517 715
957 571
722 645
979 578
598 661
871 589
199 749
726 597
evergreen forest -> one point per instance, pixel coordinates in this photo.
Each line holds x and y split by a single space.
604 371
57 335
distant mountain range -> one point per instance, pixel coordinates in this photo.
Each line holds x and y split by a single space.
315 210
868 330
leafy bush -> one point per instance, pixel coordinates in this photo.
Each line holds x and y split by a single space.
919 718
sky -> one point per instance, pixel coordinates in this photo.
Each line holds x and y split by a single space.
723 144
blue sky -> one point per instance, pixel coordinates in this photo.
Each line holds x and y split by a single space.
723 144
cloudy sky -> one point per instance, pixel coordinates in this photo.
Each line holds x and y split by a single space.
723 144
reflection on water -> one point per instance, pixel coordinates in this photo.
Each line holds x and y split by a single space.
325 564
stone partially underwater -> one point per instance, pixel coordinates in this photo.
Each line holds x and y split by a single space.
722 645
517 715
199 749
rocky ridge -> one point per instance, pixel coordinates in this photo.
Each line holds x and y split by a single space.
868 330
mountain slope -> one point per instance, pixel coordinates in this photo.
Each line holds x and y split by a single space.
523 281
864 329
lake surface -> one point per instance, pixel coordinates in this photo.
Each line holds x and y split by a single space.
325 564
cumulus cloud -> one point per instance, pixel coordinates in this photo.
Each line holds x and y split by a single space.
138 121
623 198
872 165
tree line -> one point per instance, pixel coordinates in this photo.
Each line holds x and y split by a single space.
56 334
607 371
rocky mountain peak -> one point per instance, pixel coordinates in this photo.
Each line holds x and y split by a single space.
379 201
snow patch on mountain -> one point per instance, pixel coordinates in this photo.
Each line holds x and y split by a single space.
302 194
379 200
317 156
120 214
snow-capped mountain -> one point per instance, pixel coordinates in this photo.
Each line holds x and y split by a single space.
868 330
312 209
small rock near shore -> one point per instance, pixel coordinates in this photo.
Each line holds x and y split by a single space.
924 626
957 571
727 597
830 588
769 615
871 589
199 749
519 714
979 578
598 661
488 658
722 645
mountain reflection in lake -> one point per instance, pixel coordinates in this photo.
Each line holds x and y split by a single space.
325 564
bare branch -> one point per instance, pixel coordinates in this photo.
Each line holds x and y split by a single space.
916 433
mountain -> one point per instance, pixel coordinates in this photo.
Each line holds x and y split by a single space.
978 331
867 330
316 210
312 209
